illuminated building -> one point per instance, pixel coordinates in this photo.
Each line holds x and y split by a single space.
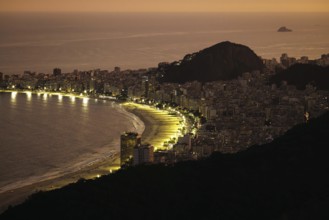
128 141
143 154
307 116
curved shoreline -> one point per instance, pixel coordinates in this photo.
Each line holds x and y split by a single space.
158 127
82 161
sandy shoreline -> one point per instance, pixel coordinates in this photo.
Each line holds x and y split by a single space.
159 127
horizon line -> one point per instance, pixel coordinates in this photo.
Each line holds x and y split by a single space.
86 11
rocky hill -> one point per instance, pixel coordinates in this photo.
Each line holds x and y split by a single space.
223 61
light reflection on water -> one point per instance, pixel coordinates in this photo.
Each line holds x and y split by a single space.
85 101
45 96
60 98
85 107
29 96
72 99
54 134
13 97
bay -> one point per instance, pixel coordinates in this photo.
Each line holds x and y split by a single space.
43 136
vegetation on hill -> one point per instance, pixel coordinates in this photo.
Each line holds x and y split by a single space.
302 74
223 61
285 179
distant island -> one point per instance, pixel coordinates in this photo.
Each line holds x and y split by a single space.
284 29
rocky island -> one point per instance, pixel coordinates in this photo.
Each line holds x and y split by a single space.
284 29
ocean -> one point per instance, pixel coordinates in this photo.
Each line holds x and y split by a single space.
39 42
43 136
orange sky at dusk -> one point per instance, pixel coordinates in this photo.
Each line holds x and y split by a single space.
167 5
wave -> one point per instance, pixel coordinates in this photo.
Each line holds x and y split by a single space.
78 153
138 124
81 164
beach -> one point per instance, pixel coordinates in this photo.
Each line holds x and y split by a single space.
159 127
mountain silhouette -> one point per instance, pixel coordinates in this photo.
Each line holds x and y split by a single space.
223 61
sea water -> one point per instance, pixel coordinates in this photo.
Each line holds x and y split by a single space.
43 136
39 42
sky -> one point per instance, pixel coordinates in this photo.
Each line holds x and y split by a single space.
167 5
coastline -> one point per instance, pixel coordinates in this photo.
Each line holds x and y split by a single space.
159 127
19 195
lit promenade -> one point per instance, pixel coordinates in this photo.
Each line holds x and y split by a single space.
160 127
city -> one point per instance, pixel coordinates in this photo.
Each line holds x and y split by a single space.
164 109
223 116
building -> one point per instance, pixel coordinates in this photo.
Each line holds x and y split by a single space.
304 59
145 86
287 61
186 139
57 72
143 154
117 69
128 141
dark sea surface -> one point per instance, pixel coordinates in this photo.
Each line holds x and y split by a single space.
42 41
44 136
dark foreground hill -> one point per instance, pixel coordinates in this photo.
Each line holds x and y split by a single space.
302 74
223 61
286 179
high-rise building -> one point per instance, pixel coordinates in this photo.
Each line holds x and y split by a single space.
186 139
284 59
143 154
117 69
57 72
287 61
128 141
145 86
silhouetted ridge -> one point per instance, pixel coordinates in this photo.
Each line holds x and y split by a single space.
286 179
302 74
223 61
